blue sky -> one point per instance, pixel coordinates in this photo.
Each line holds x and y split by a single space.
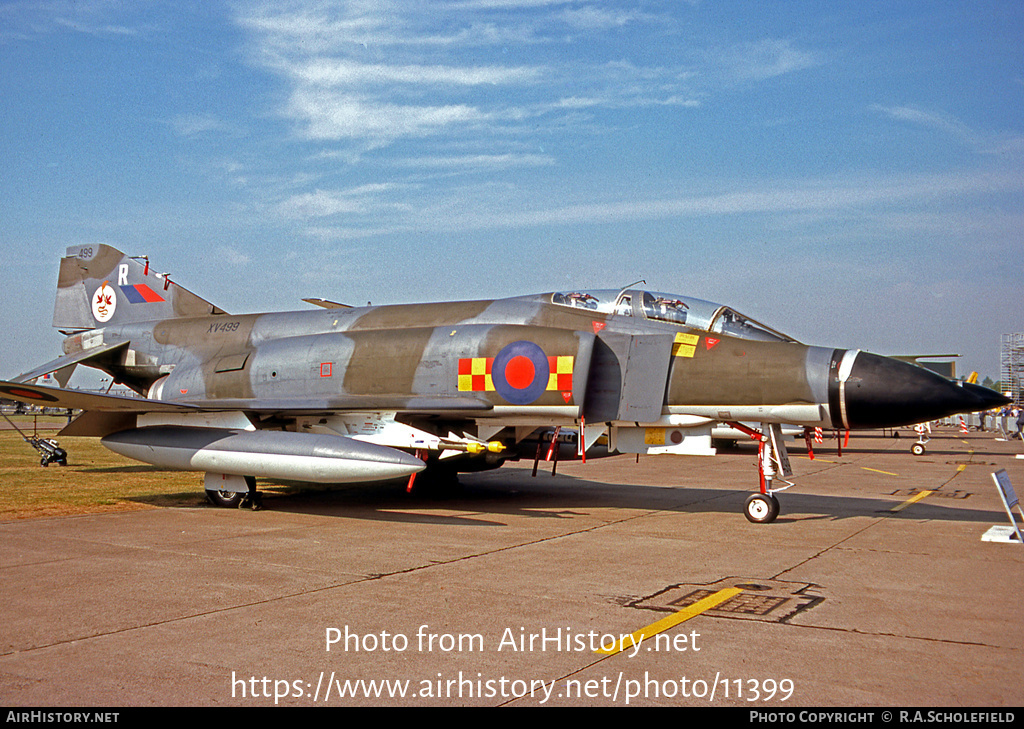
850 173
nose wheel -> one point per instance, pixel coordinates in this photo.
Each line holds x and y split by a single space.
772 461
922 430
761 508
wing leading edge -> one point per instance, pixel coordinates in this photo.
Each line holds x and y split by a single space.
58 397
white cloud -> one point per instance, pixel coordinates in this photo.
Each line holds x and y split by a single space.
330 72
920 117
594 18
232 256
762 60
26 18
194 125
375 73
982 142
868 198
326 203
318 204
480 161
342 116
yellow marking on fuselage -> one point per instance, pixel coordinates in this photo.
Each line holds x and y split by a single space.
685 345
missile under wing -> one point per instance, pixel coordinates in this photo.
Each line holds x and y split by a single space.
362 393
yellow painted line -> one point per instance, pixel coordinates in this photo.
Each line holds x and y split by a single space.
672 620
912 500
887 473
961 468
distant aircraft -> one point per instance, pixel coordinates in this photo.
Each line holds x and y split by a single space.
343 393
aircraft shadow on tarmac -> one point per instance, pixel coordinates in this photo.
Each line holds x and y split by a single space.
493 499
935 448
932 451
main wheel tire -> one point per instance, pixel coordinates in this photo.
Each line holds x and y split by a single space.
761 509
225 499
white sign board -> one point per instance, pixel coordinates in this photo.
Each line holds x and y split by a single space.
1009 497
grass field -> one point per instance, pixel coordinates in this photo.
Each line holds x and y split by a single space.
94 480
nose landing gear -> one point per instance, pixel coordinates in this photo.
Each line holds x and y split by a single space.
761 508
772 461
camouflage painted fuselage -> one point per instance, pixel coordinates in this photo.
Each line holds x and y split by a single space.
652 371
521 360
355 394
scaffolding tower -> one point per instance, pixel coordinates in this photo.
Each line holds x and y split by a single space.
1011 370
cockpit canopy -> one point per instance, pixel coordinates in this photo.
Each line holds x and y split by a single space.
672 308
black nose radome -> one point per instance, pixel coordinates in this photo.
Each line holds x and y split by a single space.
883 392
989 398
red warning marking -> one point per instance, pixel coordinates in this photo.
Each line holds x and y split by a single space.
26 393
709 342
325 369
519 372
567 396
598 326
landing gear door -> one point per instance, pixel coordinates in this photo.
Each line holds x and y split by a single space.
779 449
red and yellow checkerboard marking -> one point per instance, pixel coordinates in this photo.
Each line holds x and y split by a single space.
475 374
560 378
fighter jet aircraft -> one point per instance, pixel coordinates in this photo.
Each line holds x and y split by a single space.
339 393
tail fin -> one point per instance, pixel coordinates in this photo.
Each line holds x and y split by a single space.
99 285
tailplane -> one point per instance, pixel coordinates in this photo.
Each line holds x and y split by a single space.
99 285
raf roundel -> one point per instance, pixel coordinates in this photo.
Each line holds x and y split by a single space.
520 372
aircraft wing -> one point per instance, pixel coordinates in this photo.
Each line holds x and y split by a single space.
327 303
91 401
68 361
58 397
346 403
946 369
913 358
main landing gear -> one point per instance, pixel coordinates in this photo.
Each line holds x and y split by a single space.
231 498
772 461
224 499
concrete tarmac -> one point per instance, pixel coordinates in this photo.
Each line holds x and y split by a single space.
863 593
